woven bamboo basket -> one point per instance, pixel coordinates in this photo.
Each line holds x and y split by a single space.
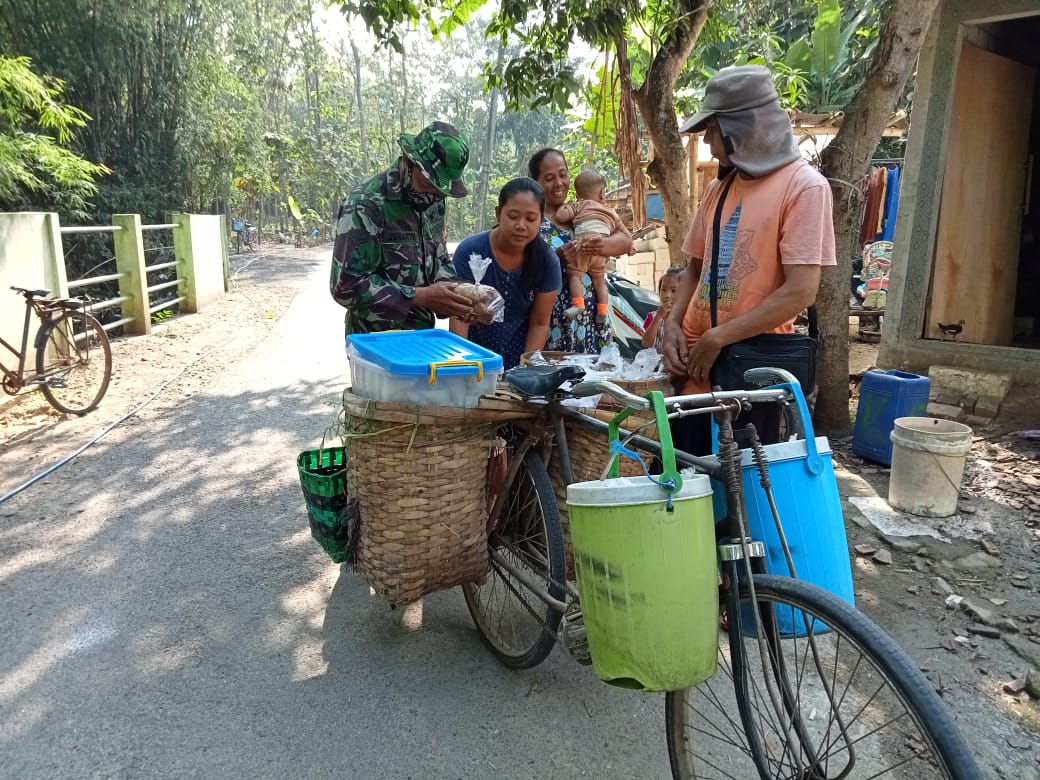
589 454
419 475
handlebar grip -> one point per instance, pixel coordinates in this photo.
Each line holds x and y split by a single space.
597 387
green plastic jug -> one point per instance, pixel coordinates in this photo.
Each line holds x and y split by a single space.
645 561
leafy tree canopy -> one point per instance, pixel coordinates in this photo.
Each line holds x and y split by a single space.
36 127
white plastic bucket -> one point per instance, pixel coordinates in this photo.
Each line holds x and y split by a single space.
927 465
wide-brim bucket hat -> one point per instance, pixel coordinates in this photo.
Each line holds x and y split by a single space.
732 89
441 151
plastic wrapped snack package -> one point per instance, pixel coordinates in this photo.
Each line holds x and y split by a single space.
647 364
609 358
488 304
609 365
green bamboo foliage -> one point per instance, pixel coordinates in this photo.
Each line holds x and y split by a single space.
36 129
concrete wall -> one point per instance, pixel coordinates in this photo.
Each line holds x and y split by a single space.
920 191
649 262
30 256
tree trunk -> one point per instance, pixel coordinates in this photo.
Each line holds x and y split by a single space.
488 152
845 162
667 171
627 147
314 70
360 105
402 105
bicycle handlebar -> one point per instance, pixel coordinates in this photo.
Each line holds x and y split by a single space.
596 387
599 386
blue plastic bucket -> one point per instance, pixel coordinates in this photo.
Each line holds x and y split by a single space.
805 490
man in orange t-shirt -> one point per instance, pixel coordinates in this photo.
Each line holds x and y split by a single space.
776 231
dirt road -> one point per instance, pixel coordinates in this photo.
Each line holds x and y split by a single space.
167 613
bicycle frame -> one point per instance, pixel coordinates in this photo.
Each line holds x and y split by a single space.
549 433
15 380
762 674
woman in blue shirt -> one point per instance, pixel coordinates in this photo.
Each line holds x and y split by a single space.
523 270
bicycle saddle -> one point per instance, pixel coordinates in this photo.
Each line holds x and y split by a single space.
541 380
31 293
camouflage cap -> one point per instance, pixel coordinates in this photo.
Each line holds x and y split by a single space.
442 152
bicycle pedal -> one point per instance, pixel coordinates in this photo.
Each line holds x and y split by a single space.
572 637
57 382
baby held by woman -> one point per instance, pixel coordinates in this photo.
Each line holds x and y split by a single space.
592 219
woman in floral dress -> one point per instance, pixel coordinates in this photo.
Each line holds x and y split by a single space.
549 168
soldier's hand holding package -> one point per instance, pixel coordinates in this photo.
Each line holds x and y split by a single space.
442 299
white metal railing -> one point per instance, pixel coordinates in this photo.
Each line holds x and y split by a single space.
153 305
126 267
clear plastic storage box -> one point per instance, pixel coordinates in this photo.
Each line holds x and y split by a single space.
427 367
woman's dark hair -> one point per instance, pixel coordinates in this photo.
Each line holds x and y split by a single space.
533 252
520 185
534 165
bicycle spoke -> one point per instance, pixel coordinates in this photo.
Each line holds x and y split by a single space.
517 625
75 362
845 704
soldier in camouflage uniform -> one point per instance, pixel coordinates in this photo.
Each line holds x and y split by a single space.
390 264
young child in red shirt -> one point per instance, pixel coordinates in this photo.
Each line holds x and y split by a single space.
667 289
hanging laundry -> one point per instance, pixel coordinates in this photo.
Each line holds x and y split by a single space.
873 203
888 228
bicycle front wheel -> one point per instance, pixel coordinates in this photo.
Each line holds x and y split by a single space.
846 701
525 544
73 362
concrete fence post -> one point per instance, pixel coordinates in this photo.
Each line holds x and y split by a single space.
129 246
184 249
200 245
31 256
54 257
224 263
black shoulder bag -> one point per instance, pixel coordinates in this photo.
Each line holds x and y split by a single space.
792 352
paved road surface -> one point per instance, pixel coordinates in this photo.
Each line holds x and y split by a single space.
176 620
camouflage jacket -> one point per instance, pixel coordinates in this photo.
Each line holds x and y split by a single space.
384 250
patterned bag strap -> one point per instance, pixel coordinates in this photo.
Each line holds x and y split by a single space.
715 227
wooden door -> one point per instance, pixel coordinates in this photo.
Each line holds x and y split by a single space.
980 213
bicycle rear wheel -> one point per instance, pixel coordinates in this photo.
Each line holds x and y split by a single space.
856 706
516 625
73 362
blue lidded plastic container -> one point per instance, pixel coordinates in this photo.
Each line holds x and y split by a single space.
426 367
805 490
885 396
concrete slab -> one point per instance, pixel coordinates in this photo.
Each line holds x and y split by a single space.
987 406
945 396
970 381
945 411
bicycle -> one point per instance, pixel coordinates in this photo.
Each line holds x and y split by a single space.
245 234
808 686
73 354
